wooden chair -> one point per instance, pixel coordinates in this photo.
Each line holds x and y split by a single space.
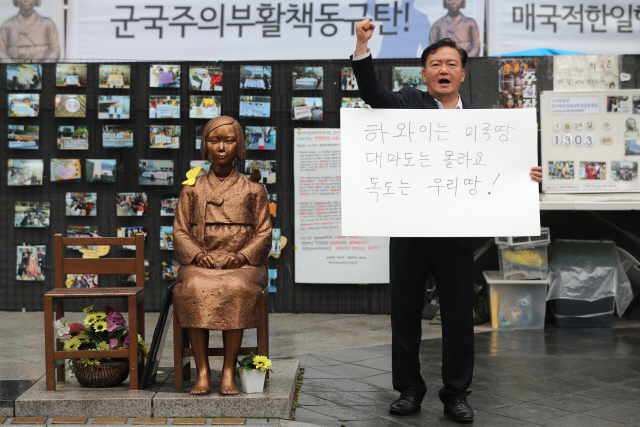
182 351
55 297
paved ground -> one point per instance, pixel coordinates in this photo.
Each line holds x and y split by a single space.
550 377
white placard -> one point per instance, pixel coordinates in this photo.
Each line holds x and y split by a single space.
585 72
578 26
439 173
590 141
164 111
322 254
258 30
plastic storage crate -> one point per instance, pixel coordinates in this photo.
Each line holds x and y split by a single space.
524 262
544 237
570 313
516 304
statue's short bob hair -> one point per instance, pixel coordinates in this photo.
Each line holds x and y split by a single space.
15 3
241 150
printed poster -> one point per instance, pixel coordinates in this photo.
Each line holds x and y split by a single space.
322 254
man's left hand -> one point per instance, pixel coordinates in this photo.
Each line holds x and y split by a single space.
536 173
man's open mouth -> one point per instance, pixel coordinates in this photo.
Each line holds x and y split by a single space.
444 81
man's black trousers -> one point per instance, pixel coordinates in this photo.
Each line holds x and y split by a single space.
450 260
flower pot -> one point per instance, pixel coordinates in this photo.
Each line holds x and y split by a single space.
108 374
253 380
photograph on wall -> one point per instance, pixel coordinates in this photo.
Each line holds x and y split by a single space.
23 104
87 281
624 171
561 170
308 78
205 165
71 75
82 231
306 108
31 261
71 106
67 170
636 104
518 83
275 242
168 206
632 147
23 137
408 76
101 170
130 279
255 77
131 204
164 136
166 237
631 129
131 232
267 169
117 76
25 171
164 75
73 138
347 79
204 107
354 103
117 136
24 76
81 204
170 271
205 78
164 107
593 170
199 130
155 172
273 203
273 275
260 137
114 107
32 214
617 104
255 106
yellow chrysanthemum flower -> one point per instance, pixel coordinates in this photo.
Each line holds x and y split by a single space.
104 346
261 362
87 309
100 326
100 315
90 319
72 344
90 362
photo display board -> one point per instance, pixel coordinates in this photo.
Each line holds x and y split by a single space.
590 141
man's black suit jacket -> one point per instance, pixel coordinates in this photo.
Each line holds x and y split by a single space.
378 96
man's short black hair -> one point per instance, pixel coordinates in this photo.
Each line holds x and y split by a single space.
433 47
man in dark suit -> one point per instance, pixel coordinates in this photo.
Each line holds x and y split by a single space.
411 259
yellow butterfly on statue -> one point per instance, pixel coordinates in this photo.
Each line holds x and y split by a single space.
192 175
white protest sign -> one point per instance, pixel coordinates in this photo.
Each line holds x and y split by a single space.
322 254
302 112
164 111
439 173
585 72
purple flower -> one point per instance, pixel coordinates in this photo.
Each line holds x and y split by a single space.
114 321
125 344
113 343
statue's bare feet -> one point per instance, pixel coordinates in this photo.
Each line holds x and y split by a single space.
203 384
228 386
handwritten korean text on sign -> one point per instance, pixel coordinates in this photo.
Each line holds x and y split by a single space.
439 172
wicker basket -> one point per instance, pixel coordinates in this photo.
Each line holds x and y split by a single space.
108 374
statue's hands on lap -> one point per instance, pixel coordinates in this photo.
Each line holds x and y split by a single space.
230 261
